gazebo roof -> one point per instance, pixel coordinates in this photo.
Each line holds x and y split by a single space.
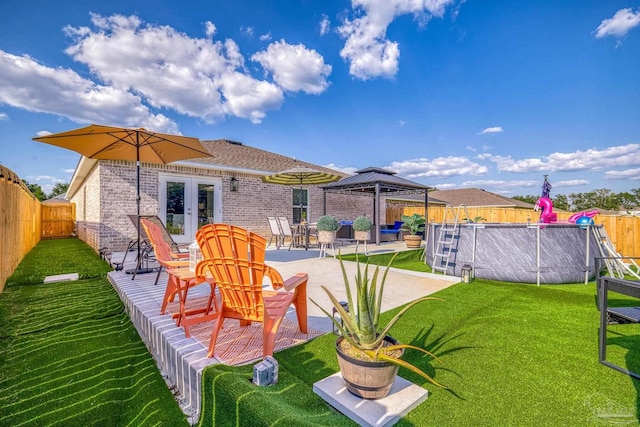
368 179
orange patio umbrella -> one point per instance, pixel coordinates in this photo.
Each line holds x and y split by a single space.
116 143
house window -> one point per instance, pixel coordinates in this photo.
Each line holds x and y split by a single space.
300 204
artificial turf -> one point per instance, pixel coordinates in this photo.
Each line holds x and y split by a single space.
69 355
514 354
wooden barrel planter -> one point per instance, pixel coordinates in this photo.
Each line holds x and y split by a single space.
413 240
367 379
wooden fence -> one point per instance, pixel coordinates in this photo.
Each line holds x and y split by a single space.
58 220
623 231
20 222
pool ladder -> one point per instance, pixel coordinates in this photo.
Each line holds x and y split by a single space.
614 261
446 238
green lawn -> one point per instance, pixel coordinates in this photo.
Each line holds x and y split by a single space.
513 355
69 355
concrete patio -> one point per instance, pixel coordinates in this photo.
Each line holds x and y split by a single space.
182 360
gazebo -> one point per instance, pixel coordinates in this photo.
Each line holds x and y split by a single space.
375 182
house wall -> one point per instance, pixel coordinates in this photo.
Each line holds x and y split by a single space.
87 201
108 197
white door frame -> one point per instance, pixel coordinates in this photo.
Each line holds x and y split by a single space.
190 202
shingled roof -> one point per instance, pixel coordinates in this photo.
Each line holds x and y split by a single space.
235 155
475 197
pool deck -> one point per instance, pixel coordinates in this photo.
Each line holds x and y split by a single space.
182 360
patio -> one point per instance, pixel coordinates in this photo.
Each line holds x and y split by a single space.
182 360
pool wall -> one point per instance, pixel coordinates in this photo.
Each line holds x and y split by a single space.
525 253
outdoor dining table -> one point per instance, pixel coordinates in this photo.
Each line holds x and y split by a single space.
305 230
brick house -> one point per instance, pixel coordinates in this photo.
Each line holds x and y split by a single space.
185 195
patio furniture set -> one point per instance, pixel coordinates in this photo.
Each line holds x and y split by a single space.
232 265
299 235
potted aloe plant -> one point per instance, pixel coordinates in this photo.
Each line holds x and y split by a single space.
362 228
413 224
368 357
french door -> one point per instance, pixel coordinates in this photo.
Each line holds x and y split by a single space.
185 204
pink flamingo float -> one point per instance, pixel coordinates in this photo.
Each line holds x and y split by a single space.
548 215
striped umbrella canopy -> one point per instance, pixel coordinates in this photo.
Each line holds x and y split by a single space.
301 176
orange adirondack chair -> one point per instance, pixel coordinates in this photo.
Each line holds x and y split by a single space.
235 259
170 260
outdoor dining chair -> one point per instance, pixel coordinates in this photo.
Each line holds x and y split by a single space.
276 232
293 233
234 257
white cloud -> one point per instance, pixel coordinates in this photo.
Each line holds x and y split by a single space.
570 183
368 50
294 67
210 29
345 169
247 31
26 84
625 174
402 122
193 76
447 186
137 69
589 160
4 116
440 167
325 25
43 133
622 22
500 183
265 37
495 129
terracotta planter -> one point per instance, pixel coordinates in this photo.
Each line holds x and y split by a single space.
363 236
367 379
413 240
326 237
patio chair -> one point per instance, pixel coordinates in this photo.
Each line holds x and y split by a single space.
276 232
145 246
294 233
164 257
166 236
234 257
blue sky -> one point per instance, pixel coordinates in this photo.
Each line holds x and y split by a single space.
452 94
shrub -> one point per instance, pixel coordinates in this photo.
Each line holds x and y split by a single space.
327 223
362 223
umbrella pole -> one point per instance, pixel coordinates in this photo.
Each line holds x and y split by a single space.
138 269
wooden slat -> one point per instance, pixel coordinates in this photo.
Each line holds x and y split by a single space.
623 230
20 222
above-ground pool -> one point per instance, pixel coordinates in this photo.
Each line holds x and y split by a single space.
526 253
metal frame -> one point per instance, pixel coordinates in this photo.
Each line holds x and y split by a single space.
622 286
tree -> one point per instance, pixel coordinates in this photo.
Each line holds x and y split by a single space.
59 188
527 199
627 201
561 202
36 190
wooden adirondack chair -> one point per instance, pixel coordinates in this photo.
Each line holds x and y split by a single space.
235 259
